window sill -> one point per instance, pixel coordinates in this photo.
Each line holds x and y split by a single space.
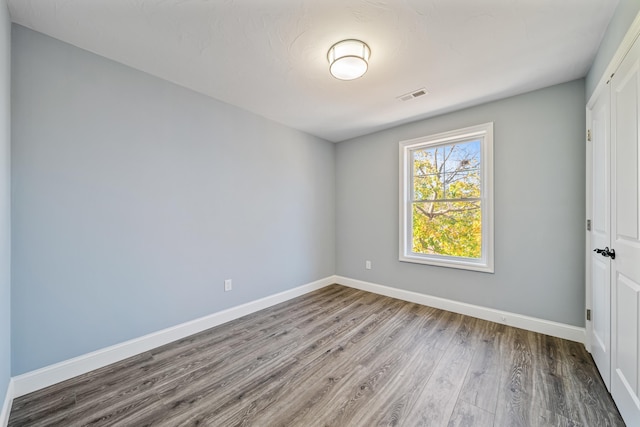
449 263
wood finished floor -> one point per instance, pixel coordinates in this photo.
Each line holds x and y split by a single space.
338 357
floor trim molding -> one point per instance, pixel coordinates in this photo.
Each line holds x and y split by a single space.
560 330
52 374
6 406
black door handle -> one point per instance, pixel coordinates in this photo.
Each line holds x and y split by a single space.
606 252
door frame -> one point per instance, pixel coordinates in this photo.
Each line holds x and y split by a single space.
589 216
630 37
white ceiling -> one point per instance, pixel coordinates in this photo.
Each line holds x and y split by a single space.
269 56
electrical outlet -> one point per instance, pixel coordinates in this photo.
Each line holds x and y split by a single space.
367 265
228 285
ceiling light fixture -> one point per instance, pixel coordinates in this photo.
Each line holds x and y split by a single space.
348 59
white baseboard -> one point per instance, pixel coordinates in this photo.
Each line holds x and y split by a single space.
6 406
52 374
49 375
560 330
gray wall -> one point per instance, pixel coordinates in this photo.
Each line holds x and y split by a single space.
539 189
620 22
135 198
5 191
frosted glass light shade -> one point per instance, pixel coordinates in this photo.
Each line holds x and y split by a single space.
348 59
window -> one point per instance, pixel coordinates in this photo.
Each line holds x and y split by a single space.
446 199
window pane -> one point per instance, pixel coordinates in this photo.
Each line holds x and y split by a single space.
427 187
447 228
462 156
461 177
427 177
426 161
462 185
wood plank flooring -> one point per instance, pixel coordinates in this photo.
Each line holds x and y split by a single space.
338 357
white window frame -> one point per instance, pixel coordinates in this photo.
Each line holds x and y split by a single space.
485 262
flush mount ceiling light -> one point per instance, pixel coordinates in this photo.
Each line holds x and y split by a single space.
348 59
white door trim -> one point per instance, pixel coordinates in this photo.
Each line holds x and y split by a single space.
587 239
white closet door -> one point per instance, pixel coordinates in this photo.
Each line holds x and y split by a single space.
625 237
600 266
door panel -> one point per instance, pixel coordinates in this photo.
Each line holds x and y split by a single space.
600 237
625 269
626 171
600 181
627 332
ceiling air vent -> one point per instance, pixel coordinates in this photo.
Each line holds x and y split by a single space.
413 94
